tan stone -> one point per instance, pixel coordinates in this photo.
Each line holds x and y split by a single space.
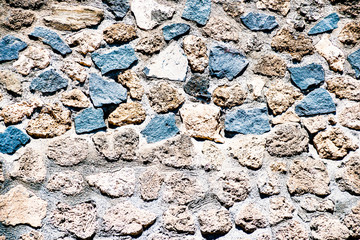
85 41
350 116
33 235
281 6
214 221
280 210
333 55
150 44
291 230
179 219
68 182
131 81
75 98
229 96
268 183
234 9
74 71
288 116
271 65
327 227
127 113
250 217
344 87
221 29
213 156
350 34
315 124
19 18
150 184
2 177
32 57
68 151
10 81
15 113
164 98
352 222
347 176
196 52
312 204
119 33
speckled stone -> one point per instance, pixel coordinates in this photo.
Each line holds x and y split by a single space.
89 120
307 77
10 47
198 87
160 127
259 22
12 139
49 81
197 11
329 23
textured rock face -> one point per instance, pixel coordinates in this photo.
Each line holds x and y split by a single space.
32 4
198 87
75 98
119 33
10 47
196 52
85 41
197 11
291 230
271 65
15 113
179 219
89 120
118 8
347 176
131 81
333 55
281 6
350 117
74 71
214 221
328 227
160 127
164 98
150 184
307 77
234 9
33 235
127 113
11 82
329 23
68 182
354 60
150 44
280 209
213 156
317 102
12 139
249 218
315 124
288 116
48 82
312 204
220 30
344 87
68 151
32 57
175 30
350 34
268 183
229 96
259 22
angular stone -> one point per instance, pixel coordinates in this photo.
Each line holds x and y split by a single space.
33 235
350 34
315 124
327 227
21 206
221 30
71 18
234 9
286 140
127 113
164 98
74 71
126 219
333 144
328 24
311 10
104 92
214 221
79 219
68 182
196 52
131 81
229 96
12 139
344 87
354 60
85 41
33 4
19 18
160 127
316 102
225 62
32 57
288 116
88 120
271 65
256 86
150 44
259 22
307 77
333 55
11 82
68 151
49 81
150 184
292 230
119 59
10 47
15 113
350 116
118 8
213 156
119 33
280 209
312 204
197 87
75 98
174 31
179 219
280 6
347 176
250 217
197 11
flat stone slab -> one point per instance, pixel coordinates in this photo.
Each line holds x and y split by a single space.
175 30
307 77
354 60
316 102
197 11
118 7
329 23
48 82
10 47
12 139
259 22
89 120
160 127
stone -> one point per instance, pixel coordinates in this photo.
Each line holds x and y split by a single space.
298 47
52 121
197 11
68 182
333 55
170 64
10 47
127 113
225 62
89 120
316 102
326 227
150 184
248 121
213 156
126 219
119 183
288 116
118 8
2 177
307 77
68 151
119 33
228 96
12 139
201 121
74 71
19 18
350 116
21 206
280 6
234 9
196 52
280 209
79 219
164 98
328 24
198 87
32 58
33 235
253 44
131 81
259 22
350 34
150 44
221 30
312 204
291 230
11 82
333 144
75 98
179 219
86 41
351 221
118 145
30 167
271 65
344 87
354 60
120 58
15 113
311 10
72 18
286 140
175 30
32 4
268 183
250 217
160 127
347 176
315 124
214 221
48 82
103 92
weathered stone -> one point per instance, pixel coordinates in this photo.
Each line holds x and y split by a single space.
89 120
85 41
164 98
312 204
350 116
259 22
234 9
12 139
127 113
291 230
174 31
347 176
32 57
11 82
119 33
311 10
253 44
214 221
198 87
179 219
307 77
221 30
286 140
19 18
268 183
350 34
118 8
213 156
250 217
68 182
21 206
228 96
281 6
197 11
333 55
316 102
315 124
354 60
131 81
33 4
196 52
150 44
33 235
150 184
348 7
280 210
15 113
328 24
160 127
344 87
326 227
271 65
68 151
10 47
49 81
288 116
75 98
74 71
2 177
333 144
352 222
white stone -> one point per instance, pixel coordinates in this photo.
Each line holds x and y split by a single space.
85 41
333 55
32 57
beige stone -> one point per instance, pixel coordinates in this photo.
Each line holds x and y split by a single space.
75 98
291 230
164 98
74 71
10 81
221 29
213 156
127 113
15 113
280 210
256 86
315 124
234 9
19 18
229 96
196 52
85 41
271 65
327 227
131 81
312 204
68 182
150 44
250 217
280 6
214 221
347 175
333 55
119 33
350 116
344 87
33 235
352 222
350 34
68 151
268 183
288 116
179 219
32 57
150 184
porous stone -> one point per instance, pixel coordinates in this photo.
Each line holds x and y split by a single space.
221 30
350 34
86 41
175 30
164 98
127 113
234 9
280 209
160 127
348 7
18 19
228 96
347 176
33 235
344 87
198 87
291 230
249 218
150 184
259 22
75 98
179 219
354 60
268 183
118 8
311 10
196 52
286 140
326 227
312 204
288 116
214 221
271 65
213 156
333 144
131 81
89 120
10 47
68 151
15 113
307 77
32 4
333 55
315 124
197 11
11 82
350 116
32 57
150 44
316 102
12 139
328 24
49 81
21 206
119 33
68 182
74 71
2 177
280 6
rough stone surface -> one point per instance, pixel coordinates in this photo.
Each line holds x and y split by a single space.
164 98
68 182
229 96
179 219
288 116
19 18
68 151
214 221
10 47
350 34
259 22
197 11
333 55
350 117
15 113
11 82
175 30
127 113
312 204
74 71
33 235
49 81
150 44
198 87
131 81
221 30
327 227
32 4
354 60
196 52
315 124
307 77
344 87
150 184
351 221
160 127
280 209
291 230
271 65
213 156
281 6
268 183
234 9
119 33
118 8
85 41
347 177
12 139
316 102
329 23
32 57
75 98
249 218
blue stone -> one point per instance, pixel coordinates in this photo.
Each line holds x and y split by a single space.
259 22
89 120
198 87
248 121
160 127
354 60
119 59
12 139
225 62
307 77
10 47
52 39
327 24
118 7
175 30
48 82
103 92
197 11
316 102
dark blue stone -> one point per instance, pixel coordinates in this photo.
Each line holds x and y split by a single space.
259 22
197 11
48 82
160 127
198 87
327 24
308 77
175 30
10 47
52 39
354 60
89 120
225 62
103 92
248 121
316 102
12 139
119 59
118 7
